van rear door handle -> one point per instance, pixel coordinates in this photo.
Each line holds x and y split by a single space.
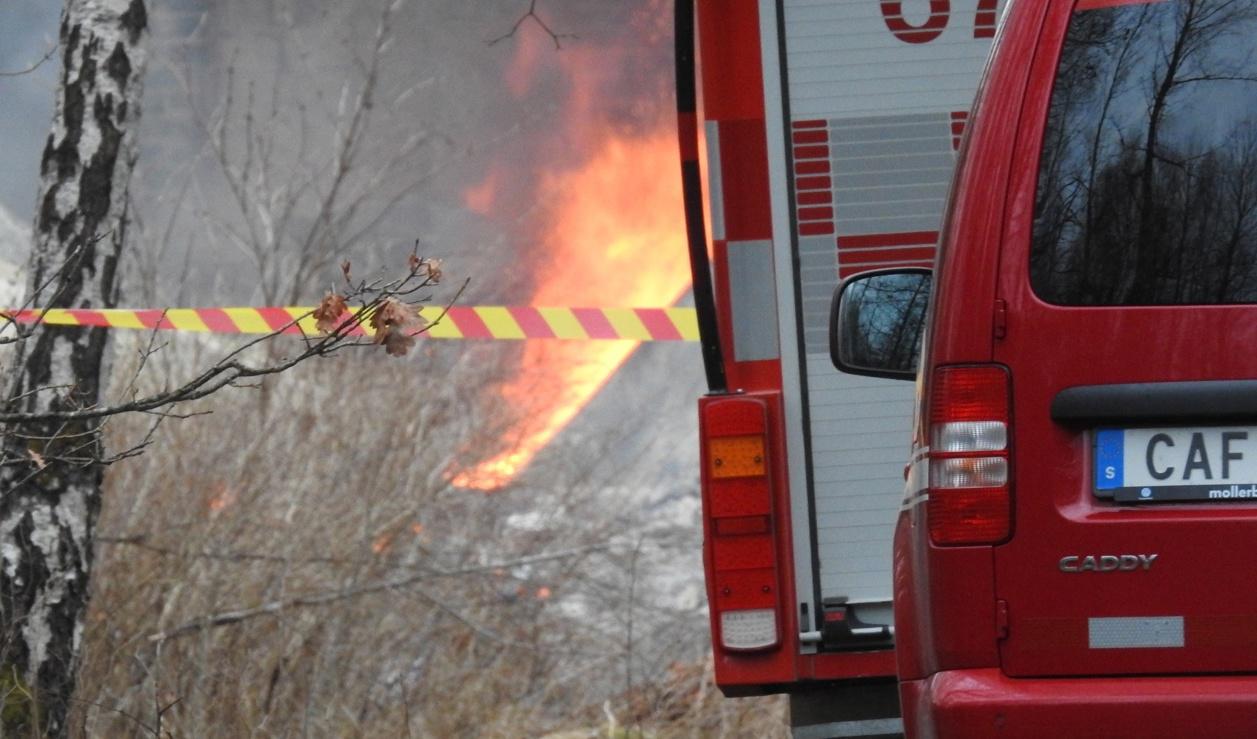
1204 400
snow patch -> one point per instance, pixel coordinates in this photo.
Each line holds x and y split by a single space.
14 243
14 235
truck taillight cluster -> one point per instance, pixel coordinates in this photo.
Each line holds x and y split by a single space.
970 495
741 543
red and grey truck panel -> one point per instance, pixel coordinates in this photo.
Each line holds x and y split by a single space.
831 129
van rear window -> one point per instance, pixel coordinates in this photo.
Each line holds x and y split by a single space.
1147 190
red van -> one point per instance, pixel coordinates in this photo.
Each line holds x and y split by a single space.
1075 555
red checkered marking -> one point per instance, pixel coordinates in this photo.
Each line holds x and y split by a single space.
814 195
877 251
959 120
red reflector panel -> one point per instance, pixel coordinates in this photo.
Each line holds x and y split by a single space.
742 525
973 516
969 394
742 496
970 499
752 551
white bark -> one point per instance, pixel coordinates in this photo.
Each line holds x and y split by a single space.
48 505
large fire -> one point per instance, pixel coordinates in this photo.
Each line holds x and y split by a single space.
616 239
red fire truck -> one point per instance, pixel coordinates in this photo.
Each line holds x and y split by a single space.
831 130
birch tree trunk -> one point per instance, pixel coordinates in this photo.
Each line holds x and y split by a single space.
50 493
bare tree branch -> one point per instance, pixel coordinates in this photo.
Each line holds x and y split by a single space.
143 541
47 55
532 13
226 618
229 370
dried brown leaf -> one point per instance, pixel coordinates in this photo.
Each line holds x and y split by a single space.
330 312
414 262
398 343
344 268
395 325
393 314
37 458
434 269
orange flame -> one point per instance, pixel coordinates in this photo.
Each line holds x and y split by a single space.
221 498
617 241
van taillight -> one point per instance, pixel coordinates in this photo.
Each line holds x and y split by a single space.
740 543
970 500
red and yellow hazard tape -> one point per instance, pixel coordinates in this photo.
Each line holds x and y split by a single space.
459 322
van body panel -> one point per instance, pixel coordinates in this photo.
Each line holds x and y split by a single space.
945 602
1191 610
961 328
1100 614
975 704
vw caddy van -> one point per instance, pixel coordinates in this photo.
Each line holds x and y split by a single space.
1076 554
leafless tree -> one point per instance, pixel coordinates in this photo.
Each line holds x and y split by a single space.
53 458
47 510
1135 204
306 179
531 15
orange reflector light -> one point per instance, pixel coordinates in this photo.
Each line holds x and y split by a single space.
737 456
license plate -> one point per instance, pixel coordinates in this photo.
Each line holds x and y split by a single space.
1207 464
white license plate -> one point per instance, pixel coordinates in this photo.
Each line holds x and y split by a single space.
1177 464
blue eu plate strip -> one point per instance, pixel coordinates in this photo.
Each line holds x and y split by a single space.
1109 455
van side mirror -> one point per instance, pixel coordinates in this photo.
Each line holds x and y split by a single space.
877 320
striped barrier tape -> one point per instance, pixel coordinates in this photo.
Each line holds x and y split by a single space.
459 322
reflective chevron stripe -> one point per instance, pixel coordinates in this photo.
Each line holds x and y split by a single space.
460 322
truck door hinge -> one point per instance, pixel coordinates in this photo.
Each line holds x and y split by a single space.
1001 619
1000 319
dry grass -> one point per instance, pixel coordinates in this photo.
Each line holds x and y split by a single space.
296 565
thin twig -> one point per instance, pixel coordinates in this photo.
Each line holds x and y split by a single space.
47 55
143 541
130 716
532 13
228 371
226 618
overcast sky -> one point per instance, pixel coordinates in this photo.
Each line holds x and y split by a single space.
28 29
